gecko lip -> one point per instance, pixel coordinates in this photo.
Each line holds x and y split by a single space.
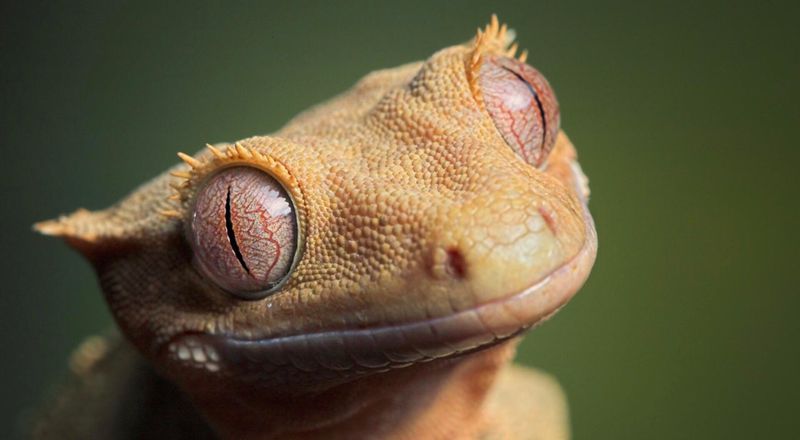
345 353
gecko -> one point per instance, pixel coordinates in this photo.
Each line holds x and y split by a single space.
367 271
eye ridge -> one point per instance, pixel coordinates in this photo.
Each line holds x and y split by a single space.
231 235
535 98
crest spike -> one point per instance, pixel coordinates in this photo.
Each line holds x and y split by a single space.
192 162
512 51
215 151
493 24
180 174
243 151
523 56
171 213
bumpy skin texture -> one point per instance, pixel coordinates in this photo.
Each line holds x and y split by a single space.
426 244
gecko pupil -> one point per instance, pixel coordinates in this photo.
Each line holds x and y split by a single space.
535 98
231 234
522 106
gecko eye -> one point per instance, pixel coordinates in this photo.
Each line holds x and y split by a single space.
522 105
244 232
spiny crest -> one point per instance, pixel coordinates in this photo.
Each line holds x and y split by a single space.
496 38
200 167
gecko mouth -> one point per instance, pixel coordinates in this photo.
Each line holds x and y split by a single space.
344 354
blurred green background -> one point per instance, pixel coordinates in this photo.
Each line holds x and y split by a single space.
684 113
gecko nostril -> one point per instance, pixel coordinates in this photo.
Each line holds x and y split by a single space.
455 265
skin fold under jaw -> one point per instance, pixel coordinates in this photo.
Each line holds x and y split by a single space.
393 241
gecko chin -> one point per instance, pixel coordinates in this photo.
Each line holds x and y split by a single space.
333 357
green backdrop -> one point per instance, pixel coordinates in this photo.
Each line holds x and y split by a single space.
684 113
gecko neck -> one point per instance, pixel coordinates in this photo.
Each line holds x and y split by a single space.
443 397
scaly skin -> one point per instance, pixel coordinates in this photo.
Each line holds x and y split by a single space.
426 245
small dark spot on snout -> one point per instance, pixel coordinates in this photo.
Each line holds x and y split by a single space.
455 265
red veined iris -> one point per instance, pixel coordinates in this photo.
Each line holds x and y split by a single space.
244 231
522 105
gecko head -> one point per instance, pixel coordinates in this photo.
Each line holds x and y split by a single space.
435 209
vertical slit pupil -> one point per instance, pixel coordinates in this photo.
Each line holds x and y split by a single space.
538 103
231 235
